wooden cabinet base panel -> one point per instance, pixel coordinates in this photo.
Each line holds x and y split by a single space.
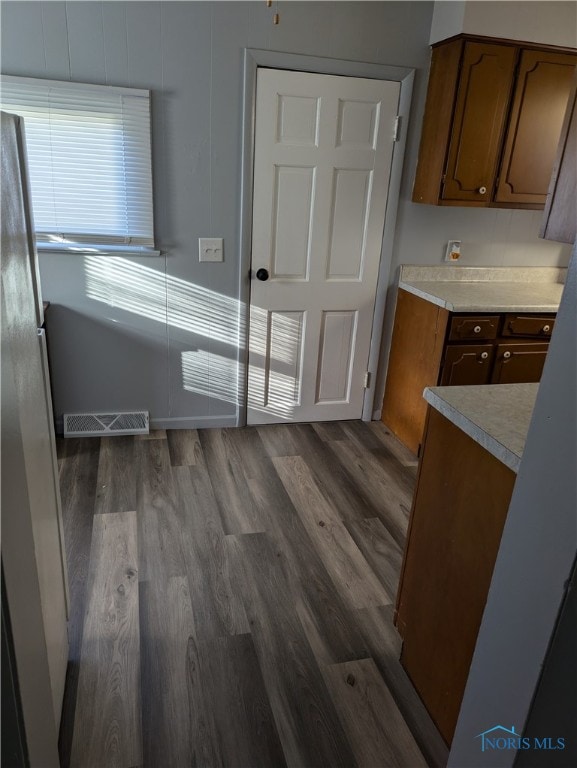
420 327
461 502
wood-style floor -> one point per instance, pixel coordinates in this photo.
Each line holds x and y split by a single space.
232 596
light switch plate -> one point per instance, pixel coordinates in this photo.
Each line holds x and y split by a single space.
210 249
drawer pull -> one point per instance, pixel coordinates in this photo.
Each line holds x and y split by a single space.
484 355
482 190
477 329
506 355
546 328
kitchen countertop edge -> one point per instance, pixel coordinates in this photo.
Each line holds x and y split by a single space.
432 292
456 404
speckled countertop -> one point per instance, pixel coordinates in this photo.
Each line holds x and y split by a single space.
497 416
486 289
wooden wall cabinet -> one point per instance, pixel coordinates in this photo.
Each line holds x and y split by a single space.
432 346
492 123
459 510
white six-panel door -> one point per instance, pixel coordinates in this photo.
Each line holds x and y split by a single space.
323 152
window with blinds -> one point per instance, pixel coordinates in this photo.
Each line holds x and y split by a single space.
89 160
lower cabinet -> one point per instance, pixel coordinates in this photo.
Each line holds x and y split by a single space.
468 364
459 510
516 363
432 346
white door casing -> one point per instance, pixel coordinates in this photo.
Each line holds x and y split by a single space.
322 161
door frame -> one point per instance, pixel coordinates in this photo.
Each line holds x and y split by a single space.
254 58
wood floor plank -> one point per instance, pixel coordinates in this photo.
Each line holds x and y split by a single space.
380 550
349 570
360 433
376 730
367 439
392 443
329 430
225 466
78 470
174 715
348 497
322 612
160 529
107 729
305 717
154 434
279 440
384 644
395 458
78 475
203 729
116 485
218 608
390 492
245 726
184 447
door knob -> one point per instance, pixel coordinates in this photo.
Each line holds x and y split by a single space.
482 190
506 355
262 274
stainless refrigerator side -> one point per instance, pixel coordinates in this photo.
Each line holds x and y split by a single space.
33 554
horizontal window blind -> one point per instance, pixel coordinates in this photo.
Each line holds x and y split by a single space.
89 161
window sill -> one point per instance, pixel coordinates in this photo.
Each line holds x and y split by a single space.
97 250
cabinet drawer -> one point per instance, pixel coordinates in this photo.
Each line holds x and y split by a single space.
528 325
470 327
519 363
467 364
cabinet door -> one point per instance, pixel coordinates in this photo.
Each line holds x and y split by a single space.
467 364
519 363
539 104
481 108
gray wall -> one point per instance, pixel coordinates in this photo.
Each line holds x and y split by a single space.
148 332
553 21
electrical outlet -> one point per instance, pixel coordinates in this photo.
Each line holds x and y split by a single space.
453 252
210 249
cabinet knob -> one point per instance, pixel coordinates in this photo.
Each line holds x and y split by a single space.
484 355
477 329
482 190
546 328
506 355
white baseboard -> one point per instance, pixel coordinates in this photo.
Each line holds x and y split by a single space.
192 422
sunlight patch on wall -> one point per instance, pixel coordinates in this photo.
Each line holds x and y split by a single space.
206 373
126 285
